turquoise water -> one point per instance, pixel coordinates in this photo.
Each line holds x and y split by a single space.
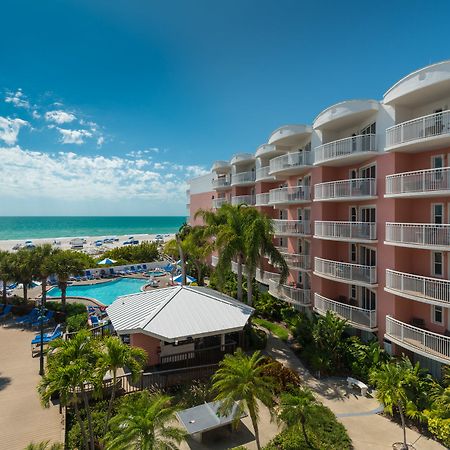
58 227
103 292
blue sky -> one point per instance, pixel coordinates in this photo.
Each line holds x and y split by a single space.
108 107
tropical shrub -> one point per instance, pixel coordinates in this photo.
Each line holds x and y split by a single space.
71 309
98 418
196 393
440 428
269 307
256 338
134 254
286 377
77 322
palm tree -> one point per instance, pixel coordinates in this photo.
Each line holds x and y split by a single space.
45 445
296 408
6 271
116 354
198 246
41 257
393 381
64 264
142 423
179 237
259 236
23 269
240 378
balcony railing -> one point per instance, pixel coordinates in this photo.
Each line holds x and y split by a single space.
297 261
432 345
214 260
423 235
291 227
364 143
265 277
433 125
415 287
243 178
218 202
347 272
420 183
357 317
243 200
296 194
290 161
262 199
359 188
263 174
345 231
290 294
221 183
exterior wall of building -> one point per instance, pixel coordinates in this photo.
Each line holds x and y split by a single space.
150 344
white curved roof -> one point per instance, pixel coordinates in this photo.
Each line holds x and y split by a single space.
179 312
428 83
289 134
242 158
345 113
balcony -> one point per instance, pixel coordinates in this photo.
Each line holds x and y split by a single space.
426 343
243 200
424 133
242 158
262 174
290 135
220 184
420 183
363 319
434 291
291 227
218 202
354 149
290 195
265 277
267 151
290 164
297 261
243 179
346 231
293 295
262 199
221 167
429 236
358 274
346 190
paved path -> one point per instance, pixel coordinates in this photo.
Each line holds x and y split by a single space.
22 418
367 429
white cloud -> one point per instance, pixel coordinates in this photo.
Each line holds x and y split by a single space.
74 136
9 129
59 116
35 115
100 141
18 99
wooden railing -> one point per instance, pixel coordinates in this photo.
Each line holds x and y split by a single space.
98 332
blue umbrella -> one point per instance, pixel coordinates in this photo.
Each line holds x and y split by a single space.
106 261
179 279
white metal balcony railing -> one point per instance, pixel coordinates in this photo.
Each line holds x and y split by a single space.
424 127
243 200
243 177
262 199
263 173
281 249
346 189
290 294
297 261
291 227
352 273
419 183
218 202
423 342
290 161
345 231
220 182
357 317
342 148
214 260
416 287
265 277
427 235
296 194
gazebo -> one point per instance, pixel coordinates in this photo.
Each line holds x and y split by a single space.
180 325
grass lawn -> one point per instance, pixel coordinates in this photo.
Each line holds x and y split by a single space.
275 328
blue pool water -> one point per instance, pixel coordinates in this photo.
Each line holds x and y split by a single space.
106 292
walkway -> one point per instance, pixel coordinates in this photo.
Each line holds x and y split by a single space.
367 429
22 418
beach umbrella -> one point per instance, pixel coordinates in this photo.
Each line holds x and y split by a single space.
179 279
106 261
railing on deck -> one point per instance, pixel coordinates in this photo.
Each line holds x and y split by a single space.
418 234
345 189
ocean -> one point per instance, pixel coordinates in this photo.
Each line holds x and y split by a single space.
59 227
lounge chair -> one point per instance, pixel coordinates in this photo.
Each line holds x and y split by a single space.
144 266
94 321
47 318
47 338
28 318
91 309
7 311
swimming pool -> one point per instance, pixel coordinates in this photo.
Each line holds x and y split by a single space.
106 292
156 273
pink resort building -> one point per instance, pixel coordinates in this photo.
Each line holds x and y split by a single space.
360 201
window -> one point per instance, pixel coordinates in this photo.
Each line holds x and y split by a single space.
353 291
353 214
300 247
368 172
437 315
437 213
353 253
438 264
368 214
353 174
370 129
437 162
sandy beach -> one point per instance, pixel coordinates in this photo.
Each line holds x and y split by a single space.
89 246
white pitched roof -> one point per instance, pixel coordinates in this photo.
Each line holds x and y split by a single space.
178 312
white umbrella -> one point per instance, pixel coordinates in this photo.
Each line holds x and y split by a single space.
179 279
106 261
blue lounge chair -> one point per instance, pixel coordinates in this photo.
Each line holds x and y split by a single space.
48 336
144 266
91 310
47 318
94 321
28 318
6 312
